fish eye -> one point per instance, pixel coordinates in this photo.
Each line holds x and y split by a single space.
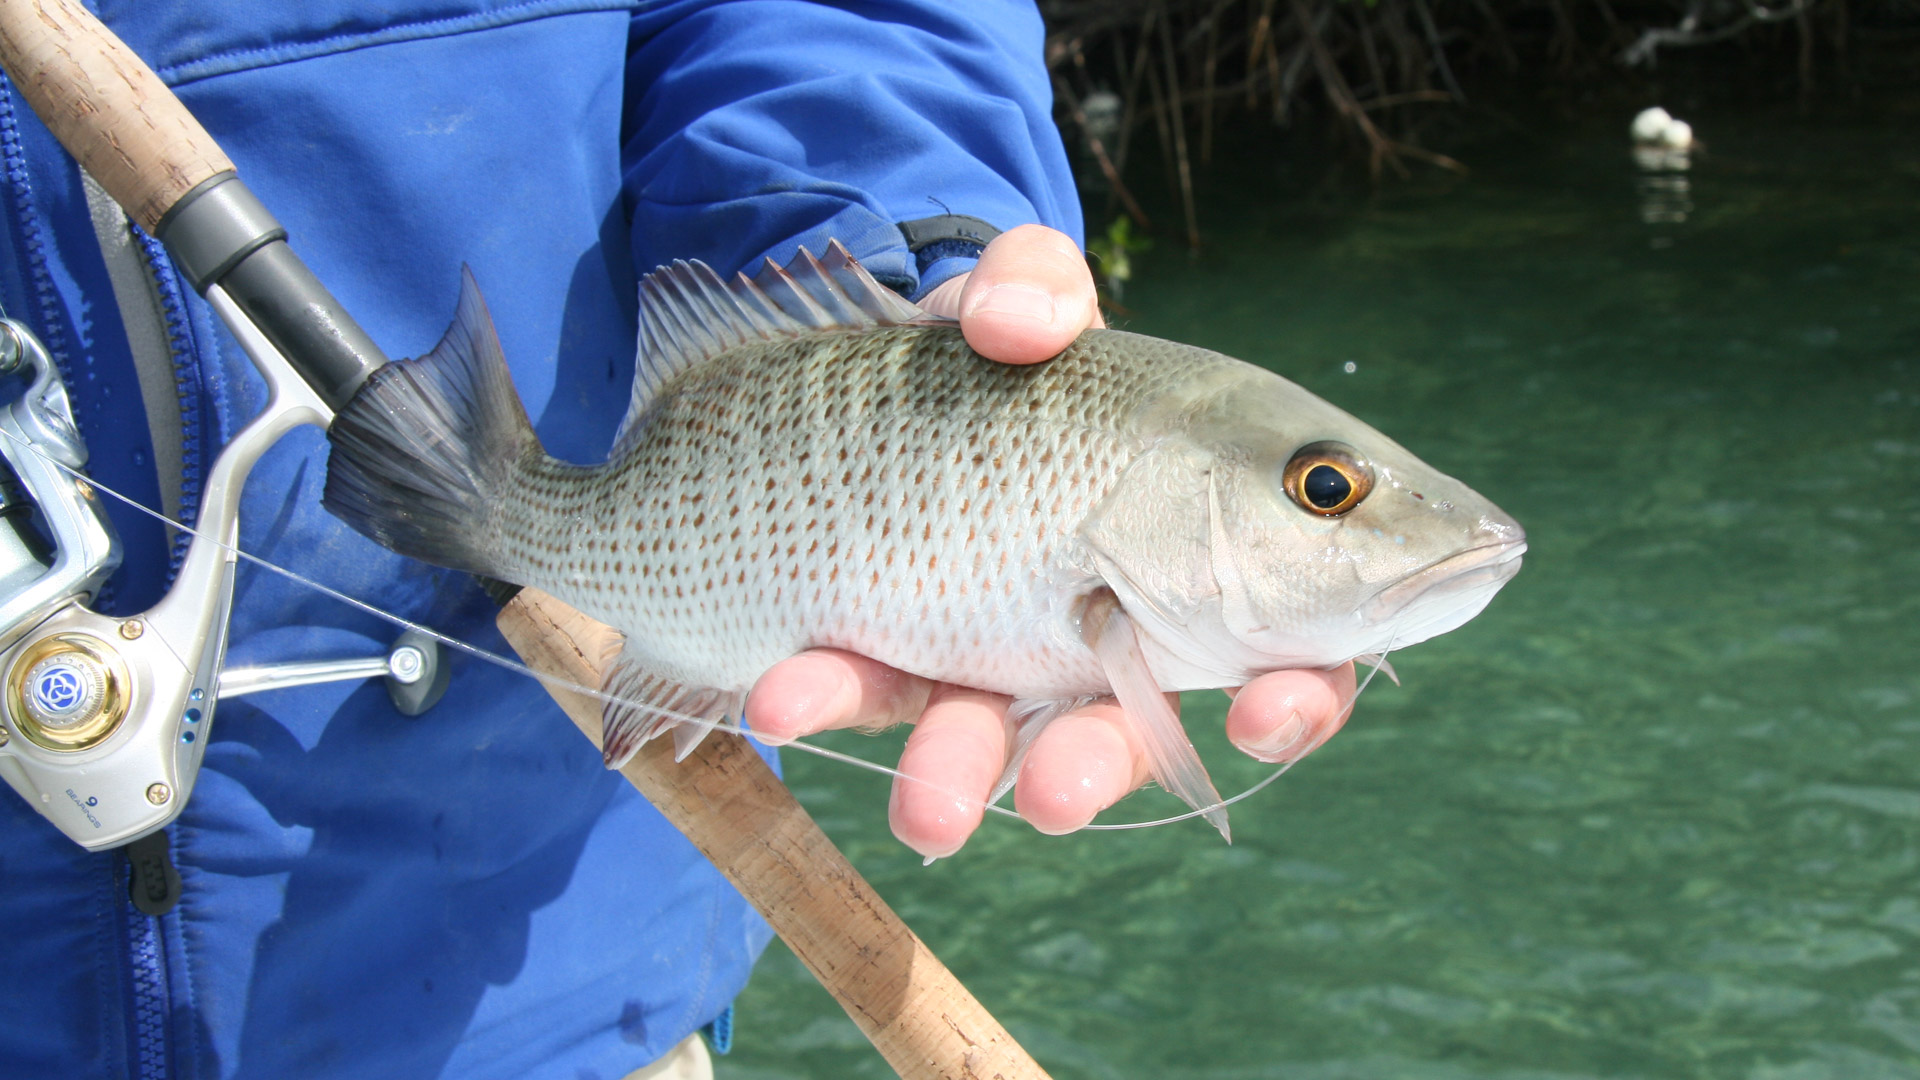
1327 478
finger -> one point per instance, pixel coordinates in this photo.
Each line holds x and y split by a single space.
954 755
1286 715
1029 296
821 689
1081 764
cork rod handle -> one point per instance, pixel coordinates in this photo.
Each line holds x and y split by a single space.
107 106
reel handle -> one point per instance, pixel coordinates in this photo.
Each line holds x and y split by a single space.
107 107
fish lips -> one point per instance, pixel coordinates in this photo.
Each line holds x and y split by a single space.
1443 596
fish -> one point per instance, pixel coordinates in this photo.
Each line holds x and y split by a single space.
809 460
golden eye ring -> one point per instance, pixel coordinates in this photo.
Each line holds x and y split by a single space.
1327 478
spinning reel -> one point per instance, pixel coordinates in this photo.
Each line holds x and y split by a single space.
104 719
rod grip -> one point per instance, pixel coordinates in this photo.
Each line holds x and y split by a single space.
107 106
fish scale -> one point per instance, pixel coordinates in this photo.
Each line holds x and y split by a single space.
811 461
889 493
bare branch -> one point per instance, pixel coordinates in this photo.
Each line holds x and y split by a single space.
1688 32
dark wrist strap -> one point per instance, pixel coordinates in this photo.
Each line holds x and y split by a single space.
948 236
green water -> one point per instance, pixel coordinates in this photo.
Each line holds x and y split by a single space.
1653 814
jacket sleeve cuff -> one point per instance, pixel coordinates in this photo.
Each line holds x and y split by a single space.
944 247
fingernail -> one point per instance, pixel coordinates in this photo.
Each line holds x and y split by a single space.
1283 743
1077 814
1016 302
927 852
1061 830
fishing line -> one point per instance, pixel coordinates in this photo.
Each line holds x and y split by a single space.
597 694
1345 709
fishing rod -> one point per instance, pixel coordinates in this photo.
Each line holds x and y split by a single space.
105 718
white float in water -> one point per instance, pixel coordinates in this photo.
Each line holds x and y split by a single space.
1661 146
1648 126
1661 140
1677 135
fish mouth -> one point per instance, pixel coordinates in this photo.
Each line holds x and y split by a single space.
1448 592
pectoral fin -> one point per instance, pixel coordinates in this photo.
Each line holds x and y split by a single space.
645 703
1176 765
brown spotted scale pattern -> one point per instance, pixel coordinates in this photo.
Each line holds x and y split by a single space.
884 490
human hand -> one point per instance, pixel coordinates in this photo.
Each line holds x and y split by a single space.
1030 295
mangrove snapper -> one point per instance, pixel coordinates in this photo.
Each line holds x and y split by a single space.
809 460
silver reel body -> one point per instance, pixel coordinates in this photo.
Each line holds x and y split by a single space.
104 720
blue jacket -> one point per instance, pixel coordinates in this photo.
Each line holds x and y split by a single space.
466 893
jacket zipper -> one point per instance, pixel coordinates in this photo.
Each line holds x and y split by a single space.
153 887
147 986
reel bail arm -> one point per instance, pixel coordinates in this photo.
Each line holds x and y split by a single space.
106 718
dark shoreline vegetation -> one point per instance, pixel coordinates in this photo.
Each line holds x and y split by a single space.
1148 91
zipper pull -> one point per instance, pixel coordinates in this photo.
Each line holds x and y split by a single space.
155 883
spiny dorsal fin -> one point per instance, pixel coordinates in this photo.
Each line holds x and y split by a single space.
687 313
834 292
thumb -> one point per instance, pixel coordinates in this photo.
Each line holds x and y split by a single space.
1029 296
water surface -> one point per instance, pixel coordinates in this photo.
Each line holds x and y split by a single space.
1653 814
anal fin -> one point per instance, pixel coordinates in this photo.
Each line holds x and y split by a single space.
1175 763
644 704
1028 717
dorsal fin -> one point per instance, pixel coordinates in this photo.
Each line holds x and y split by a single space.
687 314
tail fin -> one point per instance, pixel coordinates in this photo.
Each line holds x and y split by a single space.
423 452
